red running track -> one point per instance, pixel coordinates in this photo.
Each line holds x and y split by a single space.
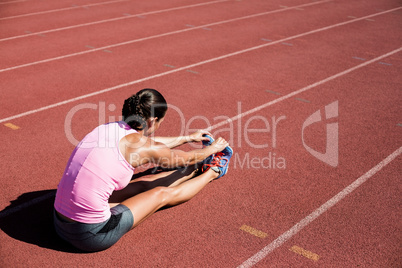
252 71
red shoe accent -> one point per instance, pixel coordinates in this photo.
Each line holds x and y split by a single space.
216 162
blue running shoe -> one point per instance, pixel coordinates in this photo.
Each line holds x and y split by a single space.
220 162
205 144
208 142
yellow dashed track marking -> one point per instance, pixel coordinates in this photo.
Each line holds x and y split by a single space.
305 253
12 126
253 231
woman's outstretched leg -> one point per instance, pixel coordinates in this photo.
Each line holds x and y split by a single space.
166 178
145 204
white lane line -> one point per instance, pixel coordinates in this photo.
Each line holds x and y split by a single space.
265 105
189 29
201 63
315 214
126 16
61 9
296 228
8 212
149 38
12 2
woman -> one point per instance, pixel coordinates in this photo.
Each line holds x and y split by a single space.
104 161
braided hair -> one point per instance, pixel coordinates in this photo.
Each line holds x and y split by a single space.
143 105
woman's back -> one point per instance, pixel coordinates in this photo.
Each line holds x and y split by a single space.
95 169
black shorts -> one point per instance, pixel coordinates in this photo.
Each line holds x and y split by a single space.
96 236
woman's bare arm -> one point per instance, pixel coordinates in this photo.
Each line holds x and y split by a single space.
173 142
162 155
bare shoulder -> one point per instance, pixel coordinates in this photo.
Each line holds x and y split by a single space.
138 149
134 142
134 138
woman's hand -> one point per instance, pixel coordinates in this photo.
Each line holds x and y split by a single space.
198 136
219 144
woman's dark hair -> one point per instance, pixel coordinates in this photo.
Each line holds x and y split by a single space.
140 107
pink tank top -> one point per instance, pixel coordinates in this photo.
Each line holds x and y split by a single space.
95 169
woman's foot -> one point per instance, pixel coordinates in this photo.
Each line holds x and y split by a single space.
220 162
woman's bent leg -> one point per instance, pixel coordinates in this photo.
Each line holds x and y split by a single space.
145 204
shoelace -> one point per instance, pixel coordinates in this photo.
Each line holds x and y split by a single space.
216 162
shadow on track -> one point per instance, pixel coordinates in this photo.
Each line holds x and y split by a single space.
29 218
